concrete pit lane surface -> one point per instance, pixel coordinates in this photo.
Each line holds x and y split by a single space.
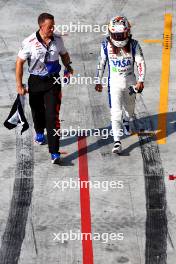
128 206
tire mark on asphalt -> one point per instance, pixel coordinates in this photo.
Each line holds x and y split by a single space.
170 240
156 220
4 42
3 3
14 233
34 236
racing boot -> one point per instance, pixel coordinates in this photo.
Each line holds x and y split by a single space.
117 147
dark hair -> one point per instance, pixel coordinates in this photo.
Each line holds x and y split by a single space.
42 17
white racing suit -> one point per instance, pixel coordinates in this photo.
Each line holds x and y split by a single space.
121 76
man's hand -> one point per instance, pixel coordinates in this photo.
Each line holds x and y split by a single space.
99 88
140 86
66 61
19 76
21 90
70 69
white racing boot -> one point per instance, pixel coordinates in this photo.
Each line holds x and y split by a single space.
117 147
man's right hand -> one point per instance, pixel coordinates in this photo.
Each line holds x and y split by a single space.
19 77
21 90
99 88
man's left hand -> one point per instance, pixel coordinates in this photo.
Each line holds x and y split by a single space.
70 69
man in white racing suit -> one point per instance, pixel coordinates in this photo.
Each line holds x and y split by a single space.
120 51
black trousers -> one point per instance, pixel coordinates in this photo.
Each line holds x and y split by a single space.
45 101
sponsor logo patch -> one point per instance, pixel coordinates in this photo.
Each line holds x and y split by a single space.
121 63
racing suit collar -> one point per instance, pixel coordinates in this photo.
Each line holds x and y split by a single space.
39 38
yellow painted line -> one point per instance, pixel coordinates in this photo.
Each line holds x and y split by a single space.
164 84
153 41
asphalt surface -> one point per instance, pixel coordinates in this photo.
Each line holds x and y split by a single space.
32 209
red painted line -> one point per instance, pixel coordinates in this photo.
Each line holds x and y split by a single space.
85 201
172 177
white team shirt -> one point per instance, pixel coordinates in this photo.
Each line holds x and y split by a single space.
42 59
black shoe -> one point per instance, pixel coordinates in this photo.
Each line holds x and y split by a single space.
126 128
